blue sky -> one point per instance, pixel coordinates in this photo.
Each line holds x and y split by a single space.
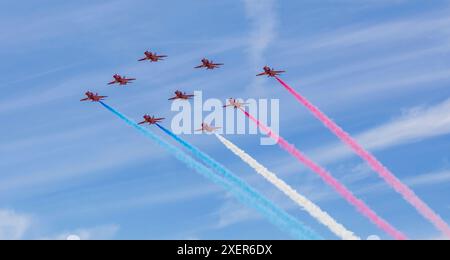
380 69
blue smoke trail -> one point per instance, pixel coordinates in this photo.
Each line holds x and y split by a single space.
237 187
227 174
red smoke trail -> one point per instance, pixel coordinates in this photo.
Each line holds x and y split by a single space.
382 171
330 180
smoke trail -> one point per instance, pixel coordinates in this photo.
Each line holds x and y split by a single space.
376 165
221 169
313 210
239 189
330 180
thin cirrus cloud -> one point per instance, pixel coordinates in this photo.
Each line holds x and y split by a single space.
39 26
91 163
263 20
388 32
422 180
13 225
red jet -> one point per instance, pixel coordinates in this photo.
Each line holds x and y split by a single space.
151 120
207 128
120 80
234 103
270 72
181 95
93 97
152 57
209 65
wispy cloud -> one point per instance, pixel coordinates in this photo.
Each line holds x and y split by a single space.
35 179
232 213
263 22
388 32
60 22
427 179
13 225
149 200
366 65
38 75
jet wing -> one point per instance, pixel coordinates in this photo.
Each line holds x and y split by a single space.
173 98
112 82
260 74
142 59
199 66
84 99
143 122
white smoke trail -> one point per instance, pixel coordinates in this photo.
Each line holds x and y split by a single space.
300 200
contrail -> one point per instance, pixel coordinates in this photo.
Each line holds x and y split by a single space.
313 210
238 188
376 165
330 180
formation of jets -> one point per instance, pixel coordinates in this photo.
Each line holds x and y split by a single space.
205 63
